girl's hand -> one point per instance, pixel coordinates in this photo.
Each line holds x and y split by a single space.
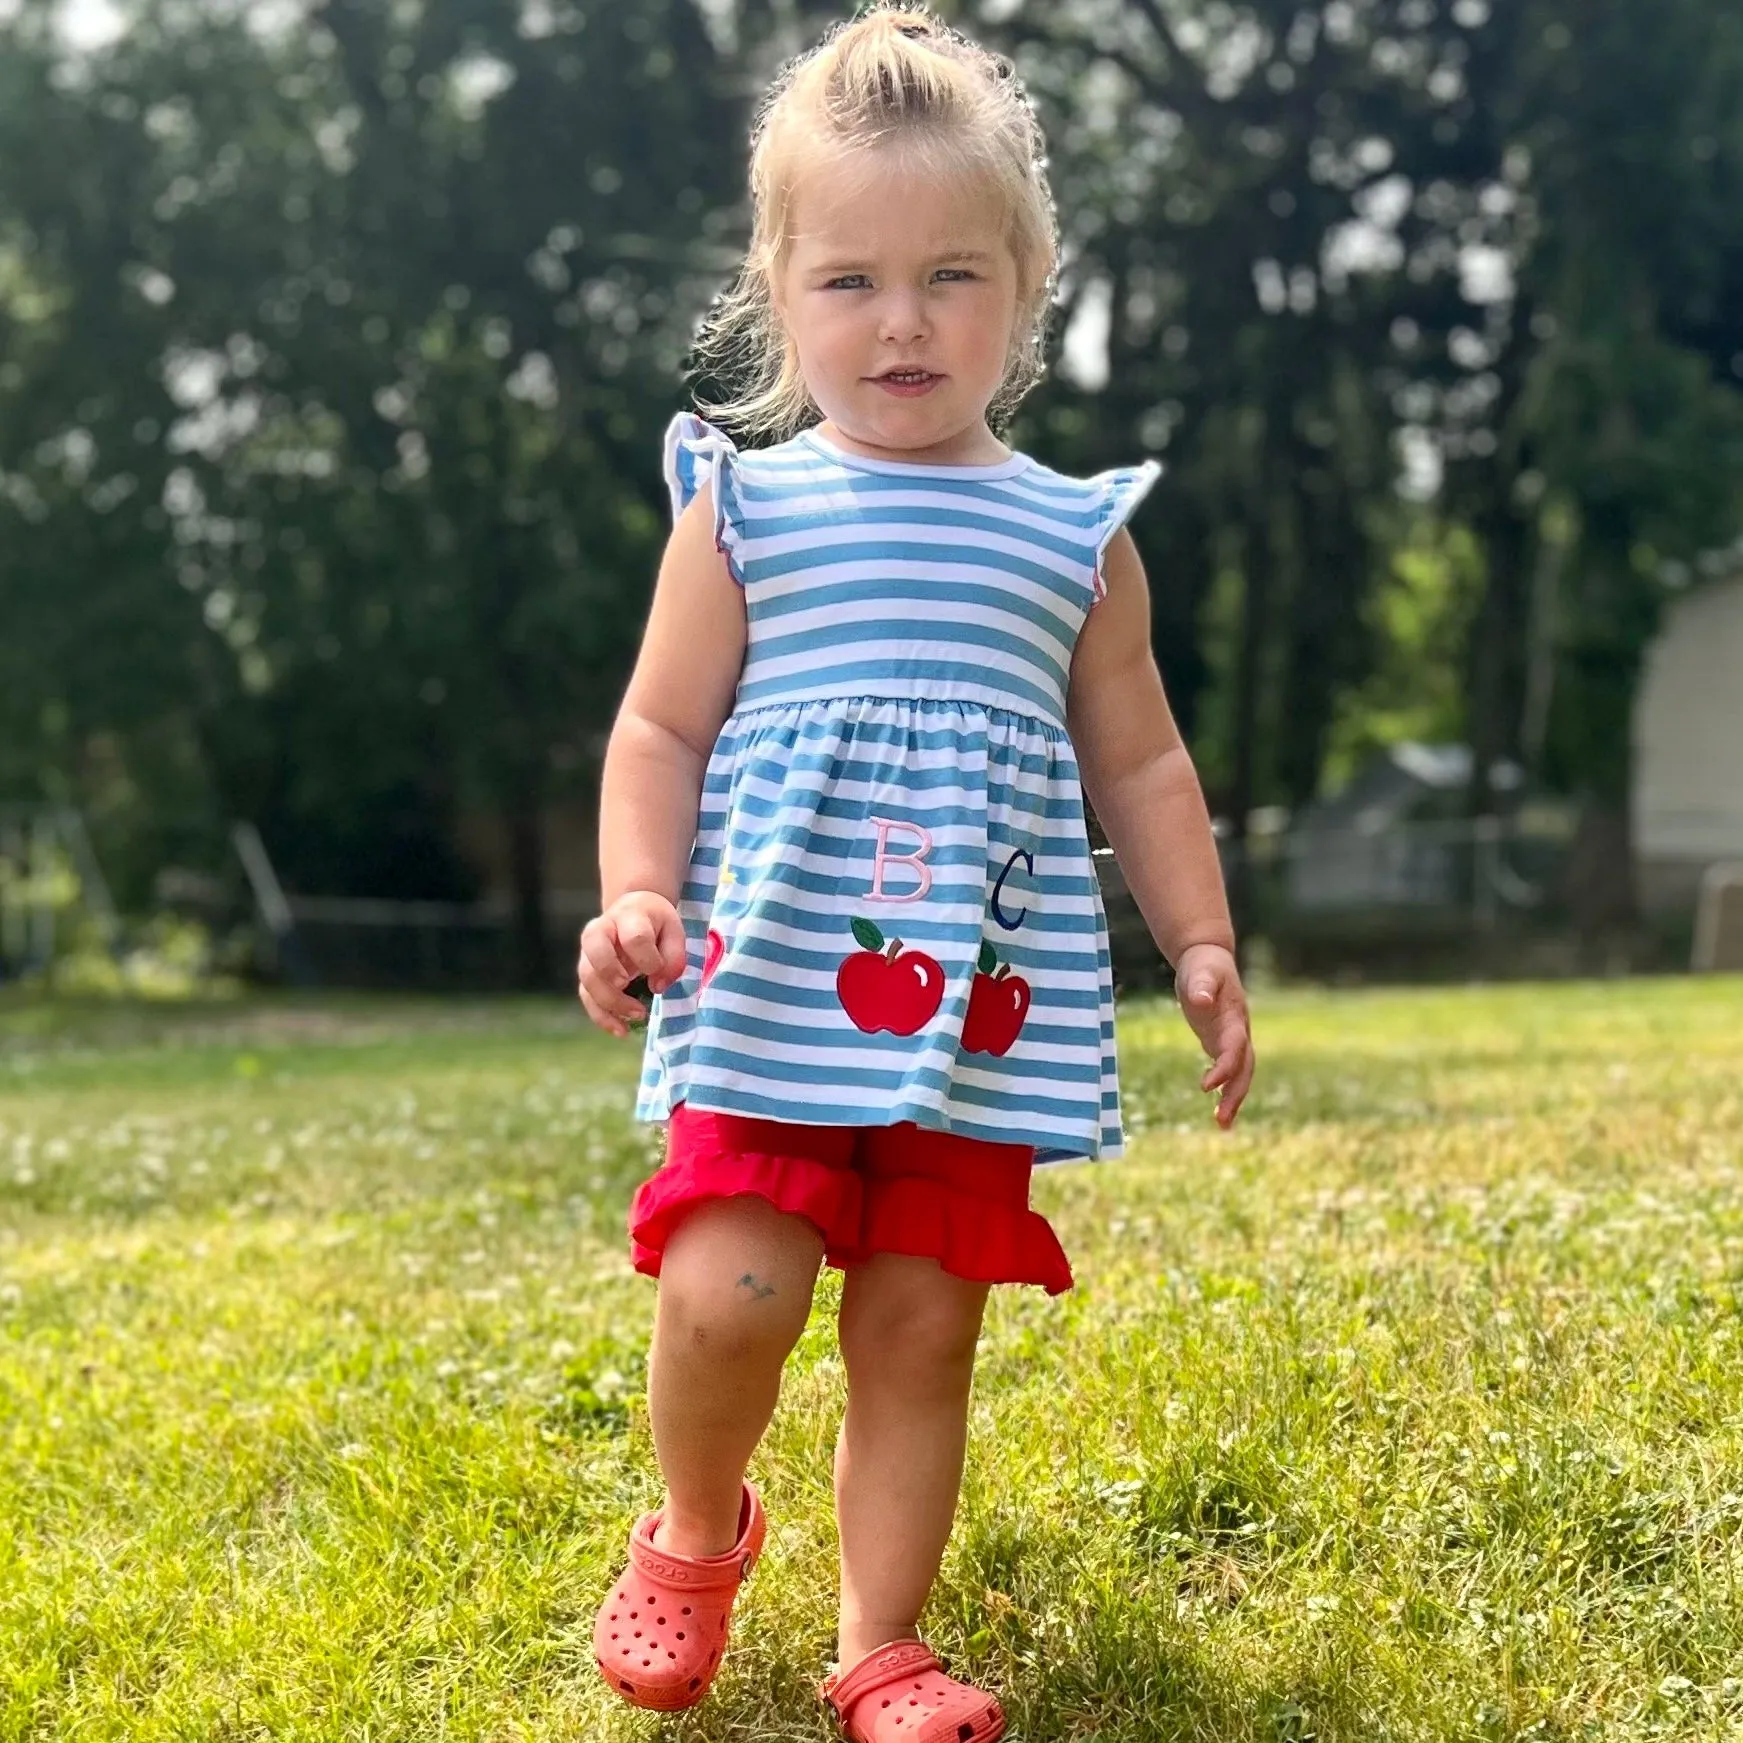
1209 988
639 934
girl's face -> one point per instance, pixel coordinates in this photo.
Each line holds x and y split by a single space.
901 296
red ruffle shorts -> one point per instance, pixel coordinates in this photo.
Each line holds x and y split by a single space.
869 1189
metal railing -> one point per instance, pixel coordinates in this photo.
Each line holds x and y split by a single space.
1330 898
49 880
1342 892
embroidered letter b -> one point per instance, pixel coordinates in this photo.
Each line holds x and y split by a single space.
916 860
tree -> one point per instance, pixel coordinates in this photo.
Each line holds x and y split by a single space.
1213 170
370 325
1597 399
334 354
1499 242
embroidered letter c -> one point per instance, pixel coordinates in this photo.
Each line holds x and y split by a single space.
1028 860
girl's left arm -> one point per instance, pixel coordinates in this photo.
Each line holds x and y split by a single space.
1139 777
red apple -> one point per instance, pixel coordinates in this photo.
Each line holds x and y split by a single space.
998 1002
884 986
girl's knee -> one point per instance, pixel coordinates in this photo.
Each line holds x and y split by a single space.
927 1335
736 1282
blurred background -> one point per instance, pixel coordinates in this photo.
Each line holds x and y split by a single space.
336 342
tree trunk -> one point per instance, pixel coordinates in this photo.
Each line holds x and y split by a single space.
1600 876
1497 653
1325 629
1178 587
1616 618
526 864
1260 558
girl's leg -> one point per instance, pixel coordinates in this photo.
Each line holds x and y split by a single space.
735 1289
908 1336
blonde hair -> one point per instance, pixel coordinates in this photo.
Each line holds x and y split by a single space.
893 76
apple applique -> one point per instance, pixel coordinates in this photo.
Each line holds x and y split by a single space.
712 951
883 986
997 1004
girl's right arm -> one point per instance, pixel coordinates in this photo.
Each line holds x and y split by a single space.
679 696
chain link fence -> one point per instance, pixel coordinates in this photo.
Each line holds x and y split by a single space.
1403 899
1396 900
1411 899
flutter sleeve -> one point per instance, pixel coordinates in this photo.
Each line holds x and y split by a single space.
698 454
1119 493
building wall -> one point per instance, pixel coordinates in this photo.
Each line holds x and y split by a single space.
1688 744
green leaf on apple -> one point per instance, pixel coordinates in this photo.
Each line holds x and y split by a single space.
989 958
870 938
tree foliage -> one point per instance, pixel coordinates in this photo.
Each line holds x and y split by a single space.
1375 263
335 344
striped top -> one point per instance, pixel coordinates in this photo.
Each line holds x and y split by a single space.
891 906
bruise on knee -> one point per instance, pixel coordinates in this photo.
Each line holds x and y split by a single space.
749 1288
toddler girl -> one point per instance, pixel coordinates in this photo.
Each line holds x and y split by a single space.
842 837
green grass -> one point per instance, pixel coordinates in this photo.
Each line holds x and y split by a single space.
1413 1410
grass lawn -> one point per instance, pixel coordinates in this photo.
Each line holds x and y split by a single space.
1412 1410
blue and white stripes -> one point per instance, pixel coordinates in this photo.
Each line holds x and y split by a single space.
896 788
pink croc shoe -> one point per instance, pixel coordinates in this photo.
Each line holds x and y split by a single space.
662 1631
900 1694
